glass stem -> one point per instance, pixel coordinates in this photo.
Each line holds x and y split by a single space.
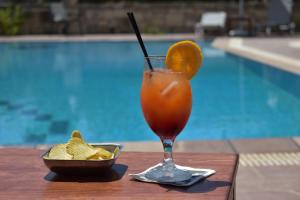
168 152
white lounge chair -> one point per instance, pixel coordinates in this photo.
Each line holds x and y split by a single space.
59 15
211 21
58 11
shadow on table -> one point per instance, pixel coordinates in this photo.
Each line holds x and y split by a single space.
201 187
115 173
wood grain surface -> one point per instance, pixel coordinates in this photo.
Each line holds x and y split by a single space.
23 175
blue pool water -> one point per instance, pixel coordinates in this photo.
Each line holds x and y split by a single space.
49 89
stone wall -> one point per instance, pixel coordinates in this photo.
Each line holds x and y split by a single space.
110 17
156 17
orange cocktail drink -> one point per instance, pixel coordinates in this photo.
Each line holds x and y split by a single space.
166 99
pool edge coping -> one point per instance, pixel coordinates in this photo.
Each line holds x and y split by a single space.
236 46
96 37
251 145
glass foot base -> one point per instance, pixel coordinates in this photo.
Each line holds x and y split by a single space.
165 173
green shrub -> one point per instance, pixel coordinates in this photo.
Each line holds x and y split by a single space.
11 19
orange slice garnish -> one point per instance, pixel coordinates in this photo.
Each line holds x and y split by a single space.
184 56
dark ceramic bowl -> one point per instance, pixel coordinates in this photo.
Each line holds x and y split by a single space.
83 166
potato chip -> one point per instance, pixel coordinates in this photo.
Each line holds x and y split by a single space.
96 157
79 149
59 152
76 134
116 151
104 154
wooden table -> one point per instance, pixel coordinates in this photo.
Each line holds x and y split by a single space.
24 176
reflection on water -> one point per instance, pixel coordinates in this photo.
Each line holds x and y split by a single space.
214 53
272 100
287 81
49 89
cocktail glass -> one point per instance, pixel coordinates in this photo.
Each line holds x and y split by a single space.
166 99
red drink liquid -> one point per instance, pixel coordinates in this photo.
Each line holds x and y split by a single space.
166 99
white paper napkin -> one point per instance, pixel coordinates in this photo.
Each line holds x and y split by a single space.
197 175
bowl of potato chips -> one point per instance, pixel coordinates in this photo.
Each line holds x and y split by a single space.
76 156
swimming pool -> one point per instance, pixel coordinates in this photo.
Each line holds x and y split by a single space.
50 88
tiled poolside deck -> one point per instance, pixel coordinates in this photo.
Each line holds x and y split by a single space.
227 146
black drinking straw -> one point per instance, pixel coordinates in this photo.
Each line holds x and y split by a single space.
139 37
